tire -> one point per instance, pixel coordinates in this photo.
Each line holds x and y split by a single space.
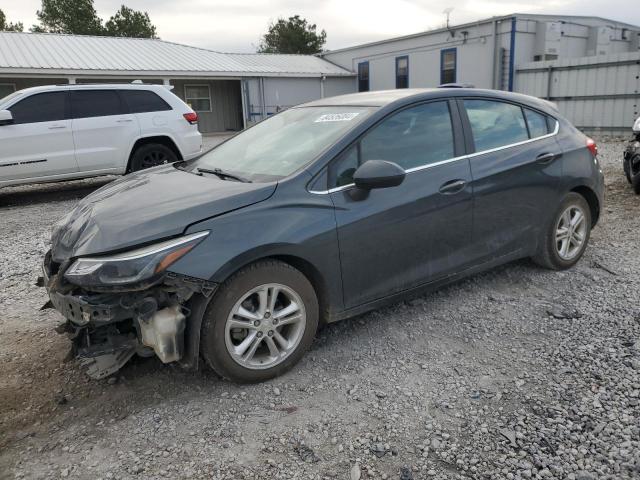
550 248
634 172
222 345
626 167
151 155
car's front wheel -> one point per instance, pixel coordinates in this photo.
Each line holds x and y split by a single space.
260 322
565 239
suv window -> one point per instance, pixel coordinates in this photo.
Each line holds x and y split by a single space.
537 123
495 124
143 101
413 137
41 107
95 103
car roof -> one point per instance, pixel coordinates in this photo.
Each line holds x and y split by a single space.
91 86
398 97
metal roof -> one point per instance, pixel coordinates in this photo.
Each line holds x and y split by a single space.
22 53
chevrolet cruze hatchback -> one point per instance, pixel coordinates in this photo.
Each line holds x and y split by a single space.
317 214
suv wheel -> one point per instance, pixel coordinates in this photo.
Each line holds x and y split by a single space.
566 238
151 155
260 323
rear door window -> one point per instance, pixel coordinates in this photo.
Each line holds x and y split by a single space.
495 124
41 107
96 103
144 101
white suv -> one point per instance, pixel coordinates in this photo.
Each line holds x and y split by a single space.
72 131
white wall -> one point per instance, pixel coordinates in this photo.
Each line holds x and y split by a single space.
475 61
281 93
598 94
474 57
339 86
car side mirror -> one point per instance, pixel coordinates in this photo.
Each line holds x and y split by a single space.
378 174
6 118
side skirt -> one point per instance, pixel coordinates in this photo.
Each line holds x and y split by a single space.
425 287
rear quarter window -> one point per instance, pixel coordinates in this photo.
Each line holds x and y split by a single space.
538 123
144 101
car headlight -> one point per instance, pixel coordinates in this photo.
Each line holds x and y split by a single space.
132 266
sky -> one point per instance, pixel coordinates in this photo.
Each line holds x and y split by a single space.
237 25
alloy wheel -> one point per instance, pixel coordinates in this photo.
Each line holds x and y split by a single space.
265 326
571 232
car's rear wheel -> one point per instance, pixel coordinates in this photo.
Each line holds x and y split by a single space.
565 239
151 155
260 323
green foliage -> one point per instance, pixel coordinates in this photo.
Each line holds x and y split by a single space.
294 35
9 27
70 16
79 17
130 23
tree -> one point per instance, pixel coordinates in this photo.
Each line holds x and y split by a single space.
9 27
69 16
130 23
79 17
294 35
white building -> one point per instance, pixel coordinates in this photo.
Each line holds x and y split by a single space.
485 53
229 91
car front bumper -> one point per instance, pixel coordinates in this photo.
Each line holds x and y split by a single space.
107 328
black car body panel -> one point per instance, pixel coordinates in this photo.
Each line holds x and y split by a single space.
360 249
148 206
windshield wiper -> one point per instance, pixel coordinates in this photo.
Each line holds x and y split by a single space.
223 175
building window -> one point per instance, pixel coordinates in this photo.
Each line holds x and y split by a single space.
402 72
6 89
448 62
198 97
363 77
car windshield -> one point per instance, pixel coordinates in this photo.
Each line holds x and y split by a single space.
282 144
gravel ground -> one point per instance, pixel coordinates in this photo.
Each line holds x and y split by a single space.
516 373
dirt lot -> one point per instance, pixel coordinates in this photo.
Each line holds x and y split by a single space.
515 373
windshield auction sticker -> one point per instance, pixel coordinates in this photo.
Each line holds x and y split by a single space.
336 117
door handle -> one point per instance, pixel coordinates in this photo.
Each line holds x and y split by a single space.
452 186
57 127
547 157
124 120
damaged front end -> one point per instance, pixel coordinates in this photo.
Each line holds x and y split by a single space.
126 304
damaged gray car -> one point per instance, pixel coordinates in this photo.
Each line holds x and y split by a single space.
319 213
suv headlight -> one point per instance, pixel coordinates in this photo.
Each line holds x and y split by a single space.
132 266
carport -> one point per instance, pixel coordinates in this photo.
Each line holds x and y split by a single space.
229 91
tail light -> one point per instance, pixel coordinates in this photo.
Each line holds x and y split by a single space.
591 145
191 117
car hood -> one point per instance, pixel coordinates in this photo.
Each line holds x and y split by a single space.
147 206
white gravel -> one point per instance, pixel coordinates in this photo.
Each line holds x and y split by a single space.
478 380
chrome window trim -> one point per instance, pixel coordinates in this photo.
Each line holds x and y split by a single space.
450 160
